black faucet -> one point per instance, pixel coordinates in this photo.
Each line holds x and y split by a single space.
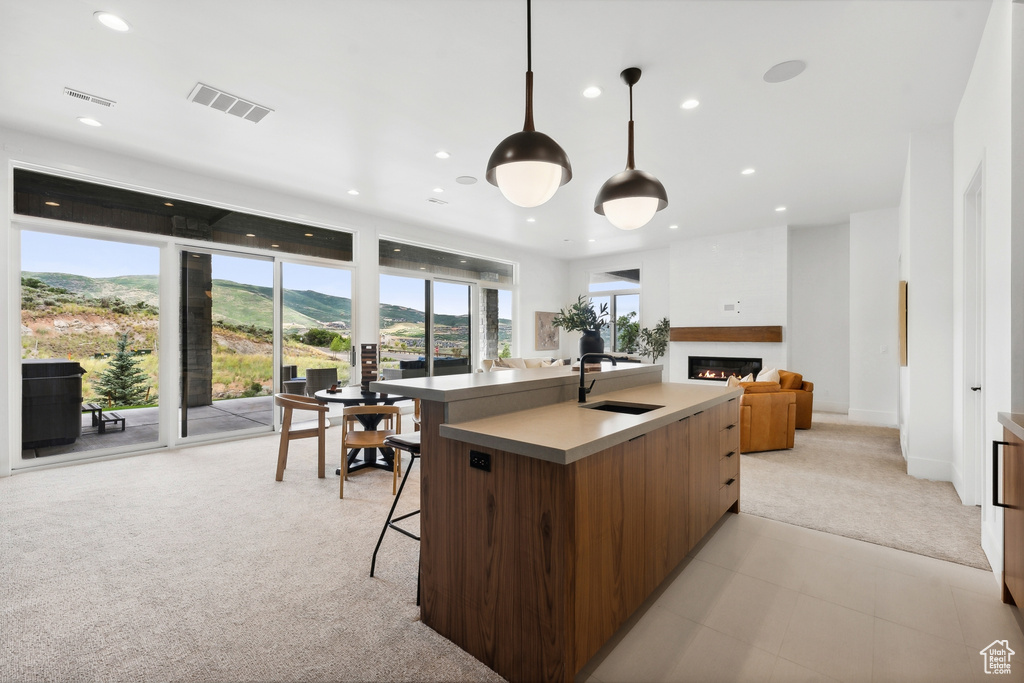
584 389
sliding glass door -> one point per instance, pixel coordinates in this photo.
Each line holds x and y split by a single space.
316 322
227 344
450 328
90 322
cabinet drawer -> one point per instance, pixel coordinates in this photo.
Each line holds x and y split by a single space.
728 495
729 439
728 468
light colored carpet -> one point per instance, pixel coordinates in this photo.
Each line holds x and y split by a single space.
850 480
196 565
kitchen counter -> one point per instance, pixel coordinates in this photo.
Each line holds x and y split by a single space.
565 432
545 524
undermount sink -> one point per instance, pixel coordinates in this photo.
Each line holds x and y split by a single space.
622 407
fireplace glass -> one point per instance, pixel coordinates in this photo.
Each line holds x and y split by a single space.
720 368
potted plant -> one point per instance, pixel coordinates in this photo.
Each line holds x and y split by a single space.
580 316
652 343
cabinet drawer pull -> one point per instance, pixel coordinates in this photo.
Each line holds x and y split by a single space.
730 426
730 454
697 413
995 473
730 482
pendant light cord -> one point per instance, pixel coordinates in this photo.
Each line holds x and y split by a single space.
630 165
528 124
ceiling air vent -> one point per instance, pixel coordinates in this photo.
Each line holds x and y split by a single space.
435 200
229 104
85 97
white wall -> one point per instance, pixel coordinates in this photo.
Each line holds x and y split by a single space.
982 139
819 312
543 281
654 292
874 336
926 263
749 267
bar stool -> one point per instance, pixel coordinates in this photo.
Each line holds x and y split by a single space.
410 443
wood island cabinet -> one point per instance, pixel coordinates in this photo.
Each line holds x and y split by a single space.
531 566
1012 495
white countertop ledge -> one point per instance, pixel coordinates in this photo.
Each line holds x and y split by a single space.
565 432
450 388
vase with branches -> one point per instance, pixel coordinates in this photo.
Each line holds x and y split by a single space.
581 316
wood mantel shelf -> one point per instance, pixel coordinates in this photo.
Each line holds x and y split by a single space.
749 333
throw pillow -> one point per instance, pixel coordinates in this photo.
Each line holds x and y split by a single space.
733 381
748 378
790 380
768 375
516 363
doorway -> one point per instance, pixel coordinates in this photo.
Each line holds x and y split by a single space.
974 342
227 344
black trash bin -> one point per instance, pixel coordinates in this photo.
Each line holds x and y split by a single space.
51 402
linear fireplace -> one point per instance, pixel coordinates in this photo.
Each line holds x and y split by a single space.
720 368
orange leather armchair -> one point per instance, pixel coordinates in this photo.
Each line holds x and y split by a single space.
794 382
767 417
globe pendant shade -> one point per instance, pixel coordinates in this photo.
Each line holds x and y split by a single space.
631 213
528 167
630 199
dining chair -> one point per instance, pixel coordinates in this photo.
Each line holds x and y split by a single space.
416 414
293 402
388 417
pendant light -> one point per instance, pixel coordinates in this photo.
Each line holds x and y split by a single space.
528 167
630 199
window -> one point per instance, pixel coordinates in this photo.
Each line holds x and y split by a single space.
620 289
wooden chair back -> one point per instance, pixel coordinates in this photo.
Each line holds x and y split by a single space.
291 403
351 437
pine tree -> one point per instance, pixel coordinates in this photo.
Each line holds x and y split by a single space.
123 383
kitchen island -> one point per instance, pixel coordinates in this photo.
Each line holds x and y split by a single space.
546 524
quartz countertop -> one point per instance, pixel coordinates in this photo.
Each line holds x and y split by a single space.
1014 422
565 432
449 388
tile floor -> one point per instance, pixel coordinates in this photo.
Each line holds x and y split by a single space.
760 600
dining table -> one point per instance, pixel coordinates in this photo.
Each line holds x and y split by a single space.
361 458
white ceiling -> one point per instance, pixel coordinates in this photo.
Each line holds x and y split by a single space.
365 92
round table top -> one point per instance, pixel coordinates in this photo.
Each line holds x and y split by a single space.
354 396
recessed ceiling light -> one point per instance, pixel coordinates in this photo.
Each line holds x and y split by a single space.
51 203
275 245
112 21
747 171
780 208
673 227
249 234
462 261
398 250
591 240
89 122
309 234
441 154
465 180
168 204
690 104
353 192
531 220
592 92
423 267
438 189
784 71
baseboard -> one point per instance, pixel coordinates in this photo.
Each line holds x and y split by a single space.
935 470
958 482
831 407
875 417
